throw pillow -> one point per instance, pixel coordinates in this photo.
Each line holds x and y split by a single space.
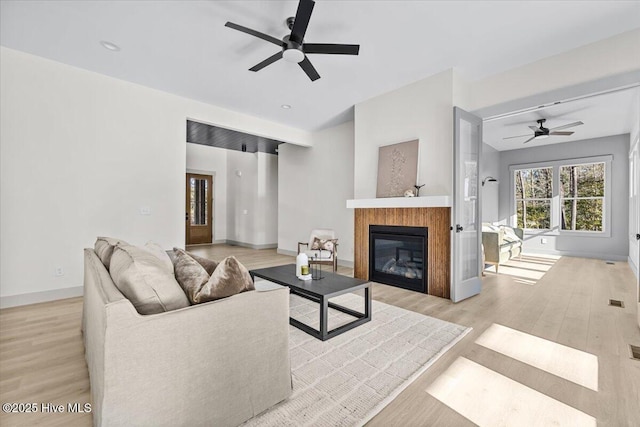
145 280
229 278
104 247
208 264
323 244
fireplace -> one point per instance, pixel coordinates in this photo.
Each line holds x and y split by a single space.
398 256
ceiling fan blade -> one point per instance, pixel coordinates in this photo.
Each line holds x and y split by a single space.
309 69
570 125
530 139
561 133
270 60
333 49
519 136
254 33
533 128
301 21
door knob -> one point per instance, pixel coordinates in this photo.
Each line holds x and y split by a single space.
458 228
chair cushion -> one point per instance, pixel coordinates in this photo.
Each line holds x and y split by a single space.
104 247
230 277
510 235
145 280
320 254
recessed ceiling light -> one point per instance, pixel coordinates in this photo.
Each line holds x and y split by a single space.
286 106
110 46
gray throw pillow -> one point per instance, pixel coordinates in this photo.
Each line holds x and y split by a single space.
145 280
208 264
229 278
104 249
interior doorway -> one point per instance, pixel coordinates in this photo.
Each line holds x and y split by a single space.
199 209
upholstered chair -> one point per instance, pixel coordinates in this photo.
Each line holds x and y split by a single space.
322 247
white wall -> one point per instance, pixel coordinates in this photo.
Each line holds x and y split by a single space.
80 154
313 187
251 179
490 166
212 161
634 211
609 57
422 110
614 247
267 196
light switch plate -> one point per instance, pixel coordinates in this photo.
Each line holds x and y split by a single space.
145 210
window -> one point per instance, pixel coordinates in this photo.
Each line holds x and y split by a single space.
533 197
563 196
582 197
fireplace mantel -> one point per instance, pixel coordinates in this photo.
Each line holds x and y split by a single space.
401 202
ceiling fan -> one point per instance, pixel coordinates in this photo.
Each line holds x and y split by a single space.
543 132
293 47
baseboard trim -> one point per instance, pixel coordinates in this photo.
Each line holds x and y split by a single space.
342 262
577 254
36 297
251 245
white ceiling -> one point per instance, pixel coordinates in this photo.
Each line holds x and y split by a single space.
602 115
182 47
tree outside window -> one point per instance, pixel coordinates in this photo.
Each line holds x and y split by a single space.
534 192
582 197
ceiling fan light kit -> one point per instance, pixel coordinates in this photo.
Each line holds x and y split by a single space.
293 47
543 132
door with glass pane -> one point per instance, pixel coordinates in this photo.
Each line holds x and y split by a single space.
199 209
466 230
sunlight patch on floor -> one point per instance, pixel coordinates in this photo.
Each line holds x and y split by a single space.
573 365
528 269
489 399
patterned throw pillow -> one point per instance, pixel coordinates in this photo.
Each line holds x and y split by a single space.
229 278
323 244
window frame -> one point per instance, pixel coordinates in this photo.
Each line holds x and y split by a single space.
556 200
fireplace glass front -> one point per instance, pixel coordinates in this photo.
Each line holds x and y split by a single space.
398 256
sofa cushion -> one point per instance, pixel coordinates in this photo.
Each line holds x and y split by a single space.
145 280
104 249
161 254
230 277
510 235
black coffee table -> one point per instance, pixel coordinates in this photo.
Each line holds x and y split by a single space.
331 285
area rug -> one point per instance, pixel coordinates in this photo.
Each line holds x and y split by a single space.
347 380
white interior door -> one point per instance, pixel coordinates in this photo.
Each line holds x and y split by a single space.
466 234
634 214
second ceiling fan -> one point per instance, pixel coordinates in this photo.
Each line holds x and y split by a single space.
543 132
293 48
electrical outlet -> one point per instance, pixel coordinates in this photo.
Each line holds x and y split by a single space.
145 210
59 271
543 240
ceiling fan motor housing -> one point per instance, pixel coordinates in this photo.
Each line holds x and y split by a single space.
292 51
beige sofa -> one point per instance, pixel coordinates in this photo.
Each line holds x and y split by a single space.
500 243
213 364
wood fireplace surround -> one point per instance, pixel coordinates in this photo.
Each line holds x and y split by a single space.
436 219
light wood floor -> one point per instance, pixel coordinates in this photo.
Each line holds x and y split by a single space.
42 358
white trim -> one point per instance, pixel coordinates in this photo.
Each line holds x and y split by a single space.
401 202
633 267
555 196
43 296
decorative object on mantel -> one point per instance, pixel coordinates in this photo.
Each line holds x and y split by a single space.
488 179
418 187
408 193
397 168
